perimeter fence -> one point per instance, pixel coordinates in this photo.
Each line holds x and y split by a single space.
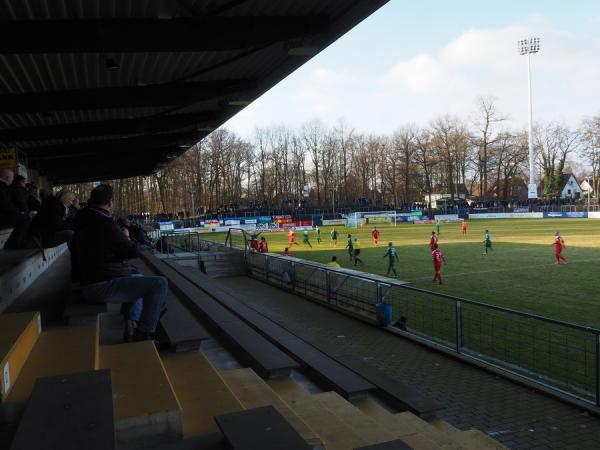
562 357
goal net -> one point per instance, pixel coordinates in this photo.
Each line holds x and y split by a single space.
359 219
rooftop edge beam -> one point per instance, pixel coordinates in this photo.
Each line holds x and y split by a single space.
114 146
122 97
153 35
120 127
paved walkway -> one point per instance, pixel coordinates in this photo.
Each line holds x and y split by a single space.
515 415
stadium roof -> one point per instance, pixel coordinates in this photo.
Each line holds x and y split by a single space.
102 89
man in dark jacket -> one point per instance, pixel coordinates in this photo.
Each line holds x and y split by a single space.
18 192
101 249
9 214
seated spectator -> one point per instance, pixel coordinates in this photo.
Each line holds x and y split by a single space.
9 214
101 249
49 224
137 233
33 198
18 193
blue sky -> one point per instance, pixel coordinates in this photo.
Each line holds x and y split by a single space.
413 61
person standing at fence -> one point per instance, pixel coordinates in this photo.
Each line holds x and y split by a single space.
433 240
438 260
559 245
350 247
334 237
333 262
487 242
306 238
286 252
463 228
357 252
263 246
392 254
318 234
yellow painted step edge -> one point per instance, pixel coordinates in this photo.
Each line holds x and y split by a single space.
15 358
201 392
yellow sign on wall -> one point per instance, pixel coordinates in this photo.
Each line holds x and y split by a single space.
8 158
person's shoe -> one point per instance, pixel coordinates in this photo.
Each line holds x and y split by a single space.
129 331
139 335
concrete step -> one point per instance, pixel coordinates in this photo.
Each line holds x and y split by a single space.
20 268
19 334
378 427
56 352
146 408
253 392
201 392
332 430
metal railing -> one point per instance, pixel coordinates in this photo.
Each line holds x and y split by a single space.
562 357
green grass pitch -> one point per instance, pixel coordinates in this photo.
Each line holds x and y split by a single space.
520 273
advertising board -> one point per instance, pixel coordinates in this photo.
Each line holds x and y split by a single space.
166 226
447 217
517 215
334 222
565 215
282 219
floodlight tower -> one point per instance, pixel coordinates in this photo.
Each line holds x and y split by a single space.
527 47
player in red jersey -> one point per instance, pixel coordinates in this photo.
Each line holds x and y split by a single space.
438 260
375 236
559 245
433 241
463 228
263 246
291 238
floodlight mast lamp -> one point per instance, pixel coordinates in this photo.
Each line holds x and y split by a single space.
527 47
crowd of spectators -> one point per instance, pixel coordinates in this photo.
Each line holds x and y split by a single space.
100 247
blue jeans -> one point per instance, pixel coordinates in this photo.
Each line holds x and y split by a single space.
149 293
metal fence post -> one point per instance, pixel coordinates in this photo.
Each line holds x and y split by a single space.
293 276
597 369
459 334
266 267
328 285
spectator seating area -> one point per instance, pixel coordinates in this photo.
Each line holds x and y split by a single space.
72 386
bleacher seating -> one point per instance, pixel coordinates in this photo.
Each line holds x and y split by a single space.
182 402
264 357
68 411
259 429
20 268
4 235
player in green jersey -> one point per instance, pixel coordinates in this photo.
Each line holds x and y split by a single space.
392 254
334 236
350 247
306 238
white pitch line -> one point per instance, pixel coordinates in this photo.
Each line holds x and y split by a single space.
446 275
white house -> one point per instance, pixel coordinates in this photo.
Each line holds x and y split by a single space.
585 187
572 189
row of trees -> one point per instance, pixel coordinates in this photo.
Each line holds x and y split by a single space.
480 157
